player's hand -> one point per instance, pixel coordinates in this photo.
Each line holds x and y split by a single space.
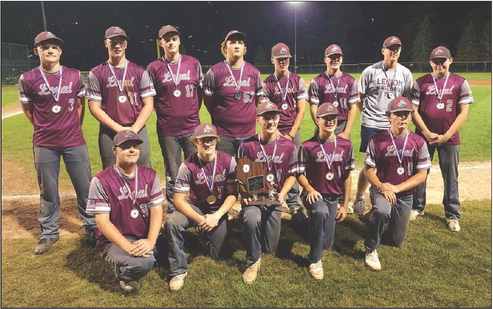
389 187
122 128
246 201
313 196
344 135
341 214
390 196
143 247
281 196
210 222
430 137
288 137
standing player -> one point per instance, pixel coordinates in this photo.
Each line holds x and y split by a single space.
288 91
336 87
127 202
120 97
378 85
178 82
396 162
326 161
204 192
233 89
442 102
262 224
53 98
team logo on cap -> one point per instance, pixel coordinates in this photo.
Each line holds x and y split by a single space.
439 51
128 134
330 108
283 51
118 30
207 129
401 103
269 105
50 35
393 40
335 49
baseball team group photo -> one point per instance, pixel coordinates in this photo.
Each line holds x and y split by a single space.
258 158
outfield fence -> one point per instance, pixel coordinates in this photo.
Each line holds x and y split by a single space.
15 61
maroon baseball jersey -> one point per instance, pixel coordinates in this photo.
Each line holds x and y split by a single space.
177 111
439 114
382 155
194 173
283 161
111 193
233 117
342 89
339 152
56 122
123 106
285 92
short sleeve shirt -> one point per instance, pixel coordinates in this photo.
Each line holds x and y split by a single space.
120 94
285 93
439 114
234 94
56 120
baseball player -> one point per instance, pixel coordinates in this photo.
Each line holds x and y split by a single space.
127 202
326 161
232 90
396 162
337 87
441 102
178 83
288 91
52 98
120 97
377 86
205 190
262 224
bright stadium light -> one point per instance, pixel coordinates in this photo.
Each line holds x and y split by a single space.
295 5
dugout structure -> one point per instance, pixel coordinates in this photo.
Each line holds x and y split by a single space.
15 61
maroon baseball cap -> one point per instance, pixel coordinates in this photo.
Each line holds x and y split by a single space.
326 109
235 33
440 52
333 49
125 136
114 31
167 29
280 50
391 40
205 130
266 107
400 104
47 36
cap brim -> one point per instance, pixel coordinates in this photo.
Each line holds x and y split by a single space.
206 135
327 114
402 110
52 40
115 35
139 141
237 35
283 56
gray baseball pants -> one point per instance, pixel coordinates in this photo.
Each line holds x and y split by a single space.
448 158
387 224
230 144
171 148
175 226
47 164
262 230
108 158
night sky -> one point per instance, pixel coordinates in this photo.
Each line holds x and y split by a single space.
359 27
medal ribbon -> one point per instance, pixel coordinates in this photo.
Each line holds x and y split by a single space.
439 93
210 184
284 93
265 154
329 162
120 85
237 83
384 69
57 95
335 88
175 78
133 197
401 155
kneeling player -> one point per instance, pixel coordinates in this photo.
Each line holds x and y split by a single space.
326 161
396 162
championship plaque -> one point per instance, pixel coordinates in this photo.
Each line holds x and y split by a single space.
252 177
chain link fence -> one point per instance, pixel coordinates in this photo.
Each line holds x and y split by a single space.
15 61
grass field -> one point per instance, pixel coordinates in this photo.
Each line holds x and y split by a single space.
435 268
17 132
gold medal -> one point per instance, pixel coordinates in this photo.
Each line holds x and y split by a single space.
211 199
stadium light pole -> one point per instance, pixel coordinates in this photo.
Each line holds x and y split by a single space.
44 15
295 5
